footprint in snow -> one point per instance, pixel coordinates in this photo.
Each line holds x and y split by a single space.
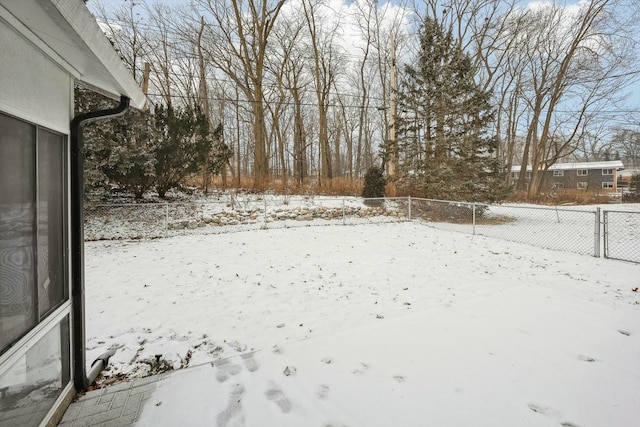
551 413
250 362
275 395
225 370
233 412
399 378
360 371
327 360
323 391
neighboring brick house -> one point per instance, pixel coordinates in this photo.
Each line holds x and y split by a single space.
582 176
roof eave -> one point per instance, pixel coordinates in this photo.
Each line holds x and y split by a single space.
66 32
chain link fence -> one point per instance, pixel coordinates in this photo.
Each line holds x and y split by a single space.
622 235
157 220
569 230
557 228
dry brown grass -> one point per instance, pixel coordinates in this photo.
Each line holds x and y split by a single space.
353 187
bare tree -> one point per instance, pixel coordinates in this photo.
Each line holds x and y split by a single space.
325 59
123 26
625 144
237 46
571 63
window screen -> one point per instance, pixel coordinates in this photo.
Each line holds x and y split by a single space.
32 227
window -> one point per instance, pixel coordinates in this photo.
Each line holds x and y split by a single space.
558 173
558 186
607 171
32 384
607 185
33 243
515 175
582 185
583 172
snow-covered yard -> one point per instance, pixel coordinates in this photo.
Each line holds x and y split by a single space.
371 325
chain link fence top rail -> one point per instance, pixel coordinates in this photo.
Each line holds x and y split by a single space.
622 235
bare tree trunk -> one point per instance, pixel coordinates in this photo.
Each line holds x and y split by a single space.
238 46
324 78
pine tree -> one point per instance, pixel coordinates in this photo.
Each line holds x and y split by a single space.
444 147
130 159
118 151
184 145
374 185
142 150
220 153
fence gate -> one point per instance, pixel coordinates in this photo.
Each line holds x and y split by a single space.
621 235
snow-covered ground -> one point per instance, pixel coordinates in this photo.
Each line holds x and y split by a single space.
371 325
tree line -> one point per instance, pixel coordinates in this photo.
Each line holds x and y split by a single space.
302 89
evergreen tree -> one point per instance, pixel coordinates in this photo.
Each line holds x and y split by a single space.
184 145
131 139
220 154
142 150
444 148
118 151
374 183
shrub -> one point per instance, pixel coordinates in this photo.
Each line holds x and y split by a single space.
374 183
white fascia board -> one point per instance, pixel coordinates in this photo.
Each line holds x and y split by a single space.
82 22
68 34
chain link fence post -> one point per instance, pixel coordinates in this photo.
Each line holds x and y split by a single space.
265 212
596 244
605 223
409 210
473 205
166 220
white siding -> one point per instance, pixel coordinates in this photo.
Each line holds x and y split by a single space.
31 86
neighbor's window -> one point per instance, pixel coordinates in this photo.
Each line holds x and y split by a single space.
558 186
33 241
607 171
583 172
607 185
582 185
558 173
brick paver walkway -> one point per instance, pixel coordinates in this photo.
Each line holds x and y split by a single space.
115 406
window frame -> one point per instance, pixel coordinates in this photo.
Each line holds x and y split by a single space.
582 185
582 172
608 185
558 172
51 232
42 316
607 171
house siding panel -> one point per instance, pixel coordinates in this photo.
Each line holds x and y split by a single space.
31 86
565 175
